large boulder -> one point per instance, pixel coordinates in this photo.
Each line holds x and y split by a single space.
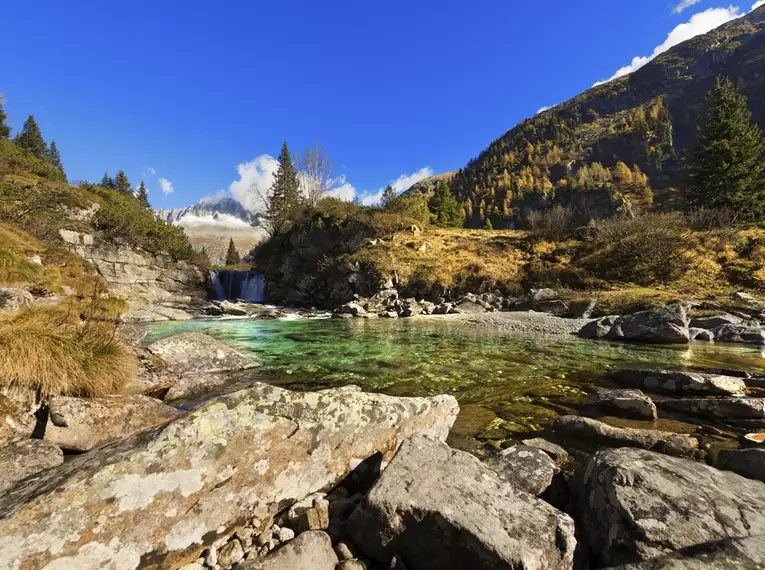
749 463
12 299
603 434
310 550
632 403
718 408
159 498
526 468
439 508
740 333
728 554
80 424
677 382
715 321
635 505
23 458
199 363
665 325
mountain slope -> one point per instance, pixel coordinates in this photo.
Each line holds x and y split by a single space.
645 120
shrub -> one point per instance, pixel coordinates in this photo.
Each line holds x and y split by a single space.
552 224
50 352
414 207
17 160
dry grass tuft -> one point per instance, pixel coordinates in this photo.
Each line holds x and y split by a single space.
51 352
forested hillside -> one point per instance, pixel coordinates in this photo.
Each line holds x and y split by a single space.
621 145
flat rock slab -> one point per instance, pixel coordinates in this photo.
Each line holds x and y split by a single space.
80 424
634 505
715 321
157 499
23 458
730 554
195 359
439 508
526 468
606 435
556 452
678 382
740 333
310 550
631 403
718 408
749 463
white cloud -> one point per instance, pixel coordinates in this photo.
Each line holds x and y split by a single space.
149 171
166 186
255 178
684 5
403 182
342 189
758 4
700 23
542 110
214 197
219 220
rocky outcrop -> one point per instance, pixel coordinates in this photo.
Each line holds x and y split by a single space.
81 424
311 549
740 333
727 554
606 435
159 498
678 382
718 408
198 363
749 463
12 299
441 508
526 468
23 458
554 451
714 321
635 505
663 325
632 403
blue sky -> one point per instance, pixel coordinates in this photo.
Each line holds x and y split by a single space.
195 92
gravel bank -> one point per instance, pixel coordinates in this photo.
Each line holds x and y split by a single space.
521 321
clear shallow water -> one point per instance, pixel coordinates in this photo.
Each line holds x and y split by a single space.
525 379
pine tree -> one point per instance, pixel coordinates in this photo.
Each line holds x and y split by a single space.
54 157
204 257
232 255
31 138
121 182
106 181
388 197
143 195
487 224
727 161
447 212
5 130
283 199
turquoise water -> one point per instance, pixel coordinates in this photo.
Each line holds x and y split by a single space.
527 380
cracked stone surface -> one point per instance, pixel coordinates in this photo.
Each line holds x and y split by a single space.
675 382
634 505
159 498
630 403
24 458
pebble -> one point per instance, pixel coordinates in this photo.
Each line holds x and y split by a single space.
286 534
344 551
231 554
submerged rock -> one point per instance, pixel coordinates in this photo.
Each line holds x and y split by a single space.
635 505
678 382
632 403
525 467
80 424
604 434
311 549
159 498
441 508
749 463
719 408
23 458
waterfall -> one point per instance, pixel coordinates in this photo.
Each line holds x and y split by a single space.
232 285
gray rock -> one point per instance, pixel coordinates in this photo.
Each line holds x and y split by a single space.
715 321
428 308
21 459
167 493
749 463
12 299
740 333
540 295
352 565
719 408
556 452
468 306
701 335
604 434
553 307
230 554
675 382
667 325
198 362
441 508
345 550
311 550
728 554
598 328
352 308
80 424
635 505
632 403
233 309
526 468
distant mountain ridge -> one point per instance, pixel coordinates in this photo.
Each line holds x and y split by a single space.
212 209
645 120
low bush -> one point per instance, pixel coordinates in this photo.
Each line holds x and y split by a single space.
52 352
17 160
554 224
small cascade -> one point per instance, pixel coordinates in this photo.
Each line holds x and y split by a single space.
231 285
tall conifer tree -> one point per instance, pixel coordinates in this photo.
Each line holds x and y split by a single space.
31 138
232 255
54 157
121 182
143 195
388 196
283 200
5 130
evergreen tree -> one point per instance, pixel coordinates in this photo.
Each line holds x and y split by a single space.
5 130
447 212
54 157
232 255
388 197
487 224
204 257
121 182
727 161
31 138
143 195
106 181
283 198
